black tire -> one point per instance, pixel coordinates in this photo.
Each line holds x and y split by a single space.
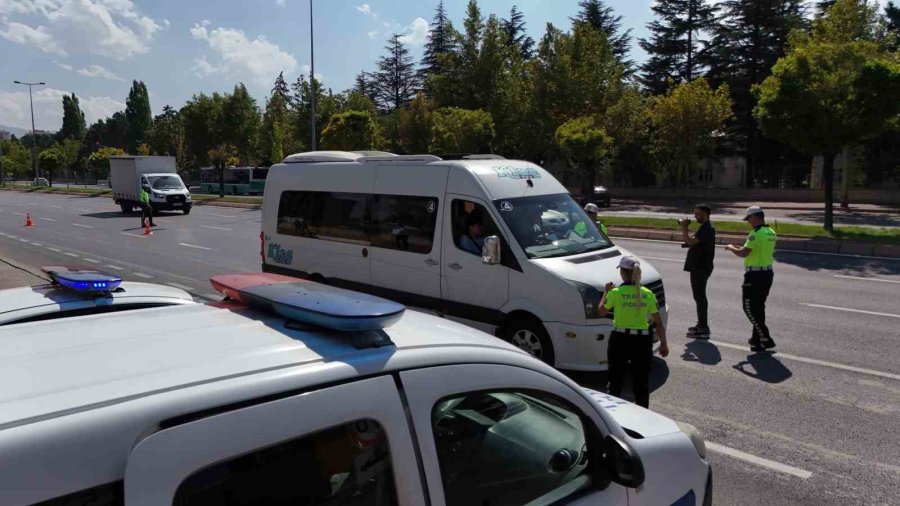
529 335
126 209
186 210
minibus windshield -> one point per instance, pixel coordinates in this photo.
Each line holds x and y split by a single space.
548 226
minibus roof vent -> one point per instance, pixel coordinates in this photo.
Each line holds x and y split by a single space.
468 156
401 158
324 156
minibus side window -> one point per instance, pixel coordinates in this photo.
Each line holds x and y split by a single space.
329 216
404 223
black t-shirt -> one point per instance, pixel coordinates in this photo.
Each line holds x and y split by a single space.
700 256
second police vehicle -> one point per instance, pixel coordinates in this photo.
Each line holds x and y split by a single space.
395 226
293 392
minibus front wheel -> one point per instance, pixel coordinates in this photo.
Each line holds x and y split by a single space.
529 335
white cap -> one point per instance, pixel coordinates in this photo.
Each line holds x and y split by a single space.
751 211
628 262
592 208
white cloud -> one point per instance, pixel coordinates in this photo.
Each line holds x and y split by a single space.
416 33
39 37
15 111
111 28
63 66
241 57
98 71
373 34
307 68
366 10
281 3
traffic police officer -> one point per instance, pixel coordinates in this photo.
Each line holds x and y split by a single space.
592 211
632 340
758 253
146 208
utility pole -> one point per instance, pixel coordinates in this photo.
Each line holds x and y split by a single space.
34 156
312 80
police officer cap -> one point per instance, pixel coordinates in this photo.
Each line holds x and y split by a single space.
751 211
592 208
628 263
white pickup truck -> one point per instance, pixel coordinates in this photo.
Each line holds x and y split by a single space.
167 191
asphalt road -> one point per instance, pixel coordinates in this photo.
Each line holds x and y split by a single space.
816 422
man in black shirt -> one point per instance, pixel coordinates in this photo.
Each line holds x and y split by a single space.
699 262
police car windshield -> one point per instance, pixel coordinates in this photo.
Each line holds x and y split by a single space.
551 226
165 182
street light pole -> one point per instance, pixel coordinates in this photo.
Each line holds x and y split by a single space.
33 134
312 80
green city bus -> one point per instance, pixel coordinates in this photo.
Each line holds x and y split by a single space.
238 180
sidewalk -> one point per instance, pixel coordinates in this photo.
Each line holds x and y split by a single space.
14 276
781 206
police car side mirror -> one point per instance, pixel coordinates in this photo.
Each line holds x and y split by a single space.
490 252
622 463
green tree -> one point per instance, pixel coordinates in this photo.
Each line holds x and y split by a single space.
73 125
99 161
240 123
396 80
274 133
516 35
685 123
201 117
415 126
458 130
602 18
137 116
827 94
49 161
350 131
585 144
222 156
16 159
67 151
674 42
440 44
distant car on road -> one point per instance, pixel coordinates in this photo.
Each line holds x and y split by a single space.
601 196
40 181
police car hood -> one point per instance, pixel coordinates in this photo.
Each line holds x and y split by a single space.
596 268
632 417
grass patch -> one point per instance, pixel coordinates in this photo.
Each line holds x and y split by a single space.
870 234
56 189
228 198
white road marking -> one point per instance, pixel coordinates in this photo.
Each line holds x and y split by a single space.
142 275
72 254
860 278
181 287
53 249
759 461
814 361
223 215
80 225
48 219
873 313
56 207
91 260
663 259
134 235
36 244
114 267
82 210
194 246
22 240
20 214
216 228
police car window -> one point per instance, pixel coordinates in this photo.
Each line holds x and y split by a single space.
509 447
404 223
346 465
340 217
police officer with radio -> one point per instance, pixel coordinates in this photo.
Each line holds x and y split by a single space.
632 340
146 208
758 253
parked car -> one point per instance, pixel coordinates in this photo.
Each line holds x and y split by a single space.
601 196
40 181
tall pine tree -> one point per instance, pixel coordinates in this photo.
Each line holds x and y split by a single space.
675 42
137 115
396 79
602 17
441 42
748 38
73 125
517 37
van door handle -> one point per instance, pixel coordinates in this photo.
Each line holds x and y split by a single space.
455 266
431 262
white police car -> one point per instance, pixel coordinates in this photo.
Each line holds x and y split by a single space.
290 392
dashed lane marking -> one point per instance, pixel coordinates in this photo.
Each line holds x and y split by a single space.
860 311
91 260
180 286
142 275
194 246
55 250
20 214
134 235
36 244
861 278
80 225
815 361
114 267
71 254
216 228
759 461
46 219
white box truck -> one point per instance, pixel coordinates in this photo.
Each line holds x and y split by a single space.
167 191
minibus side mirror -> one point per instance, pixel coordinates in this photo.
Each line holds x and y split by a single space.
490 252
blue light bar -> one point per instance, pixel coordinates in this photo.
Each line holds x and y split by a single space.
82 279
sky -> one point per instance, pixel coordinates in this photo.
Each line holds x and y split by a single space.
95 48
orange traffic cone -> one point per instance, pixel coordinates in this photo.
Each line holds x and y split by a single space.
28 222
147 228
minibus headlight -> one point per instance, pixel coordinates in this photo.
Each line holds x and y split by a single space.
590 298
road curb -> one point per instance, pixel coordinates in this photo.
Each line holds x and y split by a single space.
888 251
25 268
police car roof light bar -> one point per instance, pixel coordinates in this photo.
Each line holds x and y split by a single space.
82 279
308 302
